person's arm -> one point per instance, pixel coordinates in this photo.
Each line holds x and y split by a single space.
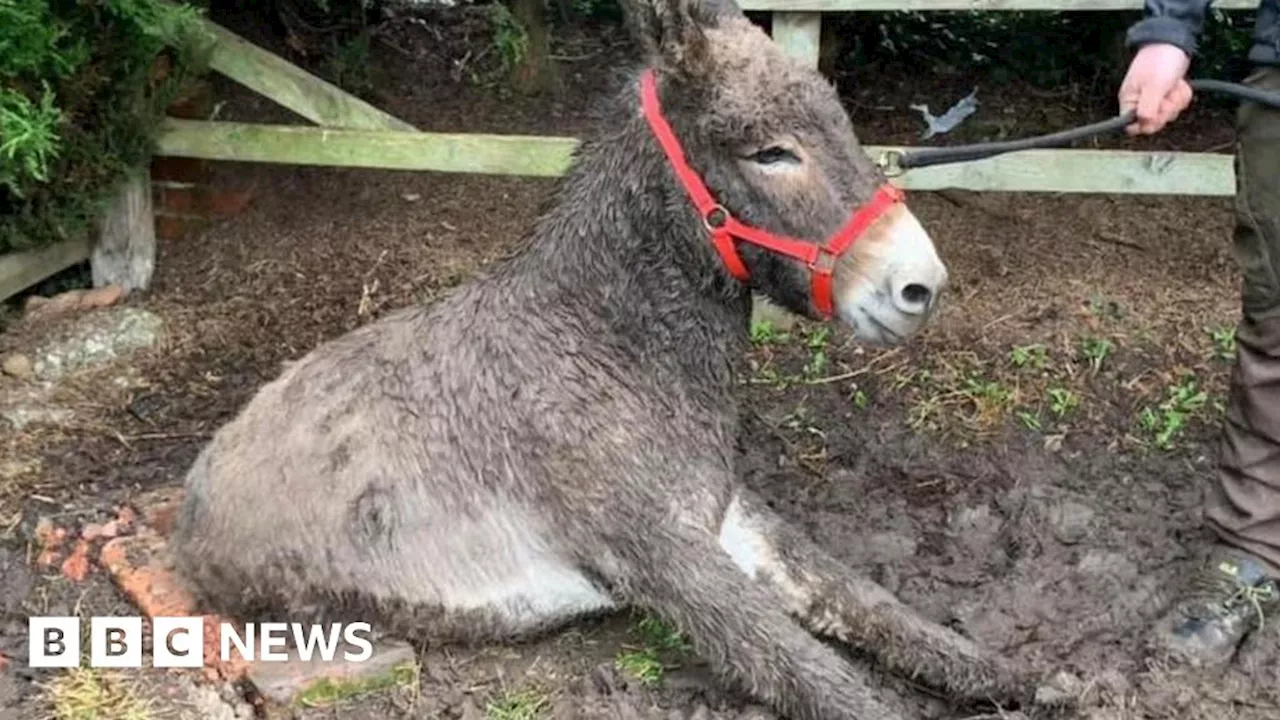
1166 38
1171 22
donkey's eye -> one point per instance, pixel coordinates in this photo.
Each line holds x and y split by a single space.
773 155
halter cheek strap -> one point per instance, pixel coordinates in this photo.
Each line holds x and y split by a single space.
726 231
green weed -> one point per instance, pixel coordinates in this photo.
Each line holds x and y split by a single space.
658 640
1224 342
1035 356
764 333
1095 351
523 705
859 398
1062 401
1030 420
1168 421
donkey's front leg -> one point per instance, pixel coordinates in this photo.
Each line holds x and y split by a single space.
831 600
743 629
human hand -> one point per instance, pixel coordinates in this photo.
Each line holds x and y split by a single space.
1156 86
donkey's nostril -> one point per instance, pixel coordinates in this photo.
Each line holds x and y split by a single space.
917 294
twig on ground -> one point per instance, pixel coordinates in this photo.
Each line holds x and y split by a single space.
866 368
168 436
1116 239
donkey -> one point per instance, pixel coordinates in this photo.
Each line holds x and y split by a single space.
557 438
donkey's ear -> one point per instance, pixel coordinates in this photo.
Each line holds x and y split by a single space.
671 32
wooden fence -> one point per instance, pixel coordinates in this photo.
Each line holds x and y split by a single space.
349 132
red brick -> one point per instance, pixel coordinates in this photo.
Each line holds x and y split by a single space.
173 227
179 169
102 296
183 200
155 591
224 203
76 566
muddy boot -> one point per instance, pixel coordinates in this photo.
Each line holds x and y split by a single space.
1230 596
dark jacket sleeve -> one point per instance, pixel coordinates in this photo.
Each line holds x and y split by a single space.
1177 22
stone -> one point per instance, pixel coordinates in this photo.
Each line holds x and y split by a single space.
23 415
211 705
96 339
100 531
318 681
1069 521
19 366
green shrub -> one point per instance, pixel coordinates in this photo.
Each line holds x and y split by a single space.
80 101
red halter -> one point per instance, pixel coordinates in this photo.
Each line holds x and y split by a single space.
725 229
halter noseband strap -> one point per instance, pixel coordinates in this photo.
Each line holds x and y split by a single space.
726 230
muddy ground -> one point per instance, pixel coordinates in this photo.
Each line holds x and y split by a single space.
1028 470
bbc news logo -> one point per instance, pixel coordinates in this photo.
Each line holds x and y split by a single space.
178 642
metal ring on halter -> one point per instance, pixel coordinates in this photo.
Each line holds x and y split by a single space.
716 209
890 163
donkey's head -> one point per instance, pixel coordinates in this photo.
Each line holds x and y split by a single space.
769 140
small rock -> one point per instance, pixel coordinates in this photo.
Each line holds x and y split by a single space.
102 297
23 415
19 366
95 531
144 407
288 681
208 702
411 197
1070 520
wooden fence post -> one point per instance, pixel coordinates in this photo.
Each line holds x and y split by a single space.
125 251
799 34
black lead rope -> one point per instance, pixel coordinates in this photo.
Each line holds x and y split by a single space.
896 161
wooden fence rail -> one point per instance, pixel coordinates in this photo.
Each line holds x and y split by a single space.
350 132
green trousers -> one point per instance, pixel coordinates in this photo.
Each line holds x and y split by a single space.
1243 502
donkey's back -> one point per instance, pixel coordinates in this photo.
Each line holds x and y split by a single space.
434 469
